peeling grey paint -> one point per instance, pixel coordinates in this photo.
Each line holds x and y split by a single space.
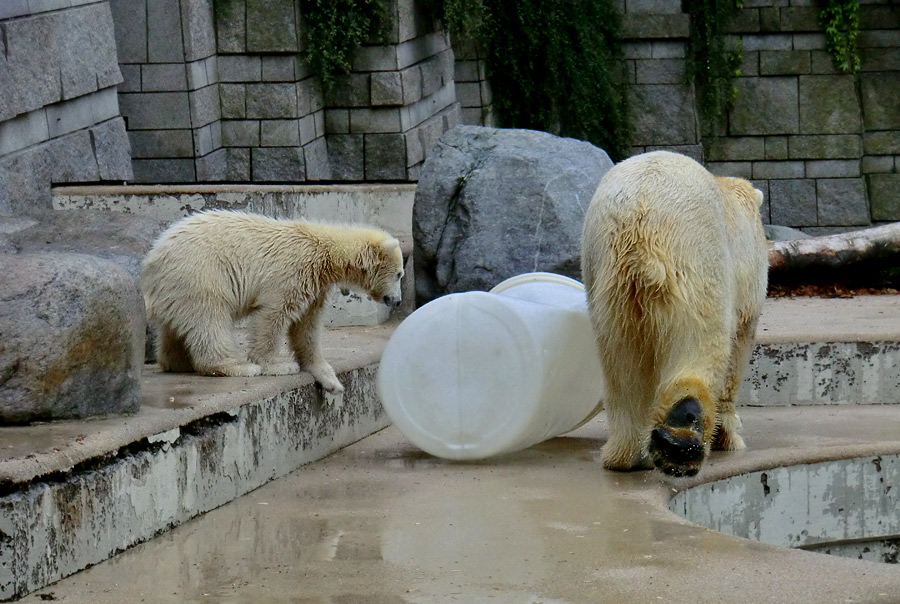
829 373
845 501
54 528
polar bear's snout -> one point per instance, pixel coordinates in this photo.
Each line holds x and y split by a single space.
393 298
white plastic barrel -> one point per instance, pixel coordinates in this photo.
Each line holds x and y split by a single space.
477 374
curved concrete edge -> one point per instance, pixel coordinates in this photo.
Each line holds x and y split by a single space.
71 506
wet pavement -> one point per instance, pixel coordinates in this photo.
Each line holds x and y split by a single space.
380 522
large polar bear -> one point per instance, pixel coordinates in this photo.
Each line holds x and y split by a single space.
211 268
675 267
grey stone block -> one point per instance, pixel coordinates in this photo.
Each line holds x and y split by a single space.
207 139
737 148
161 171
231 23
163 77
234 100
834 146
32 54
821 62
375 120
809 41
77 71
765 106
240 68
319 122
793 202
884 194
752 43
873 164
668 49
644 26
385 157
27 179
131 78
415 151
828 105
69 116
879 59
738 169
23 131
466 71
765 170
112 150
272 26
432 79
279 133
199 29
776 147
663 115
105 105
88 359
832 168
468 94
307 129
205 106
318 165
350 90
783 62
800 18
346 152
881 110
237 162
9 95
130 18
653 7
842 202
71 158
272 101
213 167
156 110
337 121
386 88
240 133
158 144
198 74
165 39
278 164
882 143
102 47
637 49
660 71
13 8
743 21
279 68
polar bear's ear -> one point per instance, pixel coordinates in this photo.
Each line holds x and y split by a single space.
759 197
390 244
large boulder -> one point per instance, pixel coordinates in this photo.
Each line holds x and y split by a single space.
493 203
73 337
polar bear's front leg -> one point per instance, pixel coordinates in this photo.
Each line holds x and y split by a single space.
267 330
305 338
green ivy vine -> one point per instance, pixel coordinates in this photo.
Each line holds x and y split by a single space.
712 65
841 22
553 65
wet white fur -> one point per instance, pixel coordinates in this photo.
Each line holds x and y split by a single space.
674 262
211 268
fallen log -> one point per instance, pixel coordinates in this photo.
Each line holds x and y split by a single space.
836 251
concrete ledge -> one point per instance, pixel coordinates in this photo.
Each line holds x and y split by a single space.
75 493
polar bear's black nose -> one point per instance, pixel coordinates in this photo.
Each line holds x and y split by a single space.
391 302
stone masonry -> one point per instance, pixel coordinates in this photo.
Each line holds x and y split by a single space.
222 93
59 110
823 146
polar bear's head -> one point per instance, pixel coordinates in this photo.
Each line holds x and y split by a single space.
382 269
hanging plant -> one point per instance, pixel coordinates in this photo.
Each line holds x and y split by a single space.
712 66
841 22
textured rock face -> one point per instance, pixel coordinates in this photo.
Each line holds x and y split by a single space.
73 337
492 204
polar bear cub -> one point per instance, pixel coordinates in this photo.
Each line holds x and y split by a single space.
674 263
211 268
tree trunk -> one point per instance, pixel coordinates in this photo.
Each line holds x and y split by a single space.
835 251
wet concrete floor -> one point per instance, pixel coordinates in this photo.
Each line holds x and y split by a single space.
383 523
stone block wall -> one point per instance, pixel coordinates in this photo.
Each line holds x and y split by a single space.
473 90
223 94
59 111
822 145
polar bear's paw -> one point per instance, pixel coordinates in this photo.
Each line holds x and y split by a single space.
235 370
677 447
324 374
285 367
